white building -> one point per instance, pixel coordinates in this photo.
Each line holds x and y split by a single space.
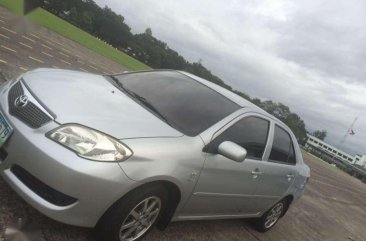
360 160
314 142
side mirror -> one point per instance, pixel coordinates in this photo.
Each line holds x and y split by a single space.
232 151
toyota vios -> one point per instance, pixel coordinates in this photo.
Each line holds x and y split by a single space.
124 152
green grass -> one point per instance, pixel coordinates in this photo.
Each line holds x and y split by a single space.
56 24
15 6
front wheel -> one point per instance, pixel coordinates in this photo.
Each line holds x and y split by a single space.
132 217
271 217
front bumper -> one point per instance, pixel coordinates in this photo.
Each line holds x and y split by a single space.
95 186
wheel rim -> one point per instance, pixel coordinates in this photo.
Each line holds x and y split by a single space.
273 215
140 219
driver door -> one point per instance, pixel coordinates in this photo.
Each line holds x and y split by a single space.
226 187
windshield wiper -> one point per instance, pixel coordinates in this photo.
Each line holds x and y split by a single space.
120 85
141 99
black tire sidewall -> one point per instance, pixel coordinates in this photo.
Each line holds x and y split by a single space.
109 226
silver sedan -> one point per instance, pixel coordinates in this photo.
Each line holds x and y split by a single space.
122 153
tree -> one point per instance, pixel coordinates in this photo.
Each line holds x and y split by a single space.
283 113
320 134
110 27
148 31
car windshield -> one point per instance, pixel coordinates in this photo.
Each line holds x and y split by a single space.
182 102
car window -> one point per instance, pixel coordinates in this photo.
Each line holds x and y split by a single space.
282 147
184 103
249 132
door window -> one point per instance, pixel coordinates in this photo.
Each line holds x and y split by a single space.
249 132
282 147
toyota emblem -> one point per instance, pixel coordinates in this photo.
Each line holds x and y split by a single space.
21 101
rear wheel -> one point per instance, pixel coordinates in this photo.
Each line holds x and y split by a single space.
133 216
271 217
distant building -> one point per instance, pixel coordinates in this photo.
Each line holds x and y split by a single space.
360 160
353 165
328 150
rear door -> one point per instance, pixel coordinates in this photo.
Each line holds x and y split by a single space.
278 173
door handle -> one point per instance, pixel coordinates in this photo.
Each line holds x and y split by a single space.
290 176
256 172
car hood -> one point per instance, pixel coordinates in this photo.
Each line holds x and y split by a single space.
91 100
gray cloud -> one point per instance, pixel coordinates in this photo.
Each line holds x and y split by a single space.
308 54
328 37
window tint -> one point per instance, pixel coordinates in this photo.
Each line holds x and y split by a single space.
184 103
282 147
250 133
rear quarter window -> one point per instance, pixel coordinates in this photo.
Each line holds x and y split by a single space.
282 147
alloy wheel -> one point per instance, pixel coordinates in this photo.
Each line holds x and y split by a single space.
140 219
273 215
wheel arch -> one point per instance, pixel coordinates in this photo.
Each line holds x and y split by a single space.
174 197
289 199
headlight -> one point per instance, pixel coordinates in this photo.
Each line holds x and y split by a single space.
89 143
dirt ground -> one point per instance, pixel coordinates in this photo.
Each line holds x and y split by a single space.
332 208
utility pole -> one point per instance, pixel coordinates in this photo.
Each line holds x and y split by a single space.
348 132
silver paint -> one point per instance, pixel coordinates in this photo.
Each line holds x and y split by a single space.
161 153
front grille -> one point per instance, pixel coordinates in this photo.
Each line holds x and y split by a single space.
41 189
15 92
30 114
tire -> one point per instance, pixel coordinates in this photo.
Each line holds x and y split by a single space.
129 219
271 217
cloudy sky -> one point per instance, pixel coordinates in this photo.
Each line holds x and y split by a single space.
307 54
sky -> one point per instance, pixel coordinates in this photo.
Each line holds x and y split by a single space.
307 54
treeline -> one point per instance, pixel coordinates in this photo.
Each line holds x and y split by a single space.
283 113
110 27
